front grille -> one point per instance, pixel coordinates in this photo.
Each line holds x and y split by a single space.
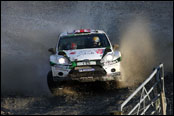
99 71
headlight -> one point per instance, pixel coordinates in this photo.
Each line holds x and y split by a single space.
109 58
62 61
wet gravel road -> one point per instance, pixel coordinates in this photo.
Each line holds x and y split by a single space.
90 102
78 99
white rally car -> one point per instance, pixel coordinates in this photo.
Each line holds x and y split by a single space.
84 55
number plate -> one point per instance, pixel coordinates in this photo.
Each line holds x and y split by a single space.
86 70
86 63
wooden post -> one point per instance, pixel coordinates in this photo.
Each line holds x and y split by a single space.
163 103
162 93
160 78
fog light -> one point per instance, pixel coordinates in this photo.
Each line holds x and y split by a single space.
60 73
113 70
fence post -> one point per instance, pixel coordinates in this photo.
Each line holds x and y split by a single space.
162 93
160 79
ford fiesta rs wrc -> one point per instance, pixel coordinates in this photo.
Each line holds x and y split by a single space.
84 55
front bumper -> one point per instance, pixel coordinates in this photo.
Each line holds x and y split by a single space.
87 73
115 77
98 73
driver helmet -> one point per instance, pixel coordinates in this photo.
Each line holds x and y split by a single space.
73 46
96 39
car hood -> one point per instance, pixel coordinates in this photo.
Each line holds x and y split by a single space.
85 54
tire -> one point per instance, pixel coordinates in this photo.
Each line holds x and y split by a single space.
54 86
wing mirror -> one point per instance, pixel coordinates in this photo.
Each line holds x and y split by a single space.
115 47
52 50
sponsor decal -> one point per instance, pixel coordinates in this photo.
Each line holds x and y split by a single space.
99 51
52 63
72 53
87 52
86 70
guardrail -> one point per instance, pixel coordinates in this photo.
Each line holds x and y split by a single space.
151 95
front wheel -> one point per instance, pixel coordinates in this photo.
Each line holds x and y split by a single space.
54 86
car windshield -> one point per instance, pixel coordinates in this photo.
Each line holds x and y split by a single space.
83 42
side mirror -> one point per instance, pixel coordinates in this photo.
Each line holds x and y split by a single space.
52 50
115 47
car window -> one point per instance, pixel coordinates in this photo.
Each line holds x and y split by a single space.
82 42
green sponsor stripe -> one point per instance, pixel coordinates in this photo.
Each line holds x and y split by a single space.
74 64
52 63
70 35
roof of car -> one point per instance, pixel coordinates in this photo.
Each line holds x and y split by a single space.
81 31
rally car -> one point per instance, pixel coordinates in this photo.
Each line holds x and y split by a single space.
84 55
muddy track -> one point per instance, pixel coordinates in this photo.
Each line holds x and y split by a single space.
78 98
86 100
